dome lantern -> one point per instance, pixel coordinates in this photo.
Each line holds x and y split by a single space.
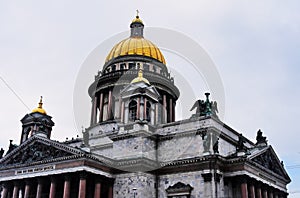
137 26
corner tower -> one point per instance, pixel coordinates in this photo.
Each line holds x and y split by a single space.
36 123
122 65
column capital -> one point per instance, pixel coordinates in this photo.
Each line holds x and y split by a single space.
16 183
83 175
28 181
251 182
67 177
259 185
243 179
41 180
99 180
6 184
53 178
218 177
207 177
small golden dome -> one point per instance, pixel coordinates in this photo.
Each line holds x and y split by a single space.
140 78
40 109
136 46
137 20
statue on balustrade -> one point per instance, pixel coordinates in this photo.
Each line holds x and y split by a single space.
205 108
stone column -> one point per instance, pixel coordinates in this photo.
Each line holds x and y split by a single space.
244 189
138 110
97 193
110 191
82 185
252 190
156 114
27 188
4 191
16 190
67 186
171 110
120 107
164 109
109 113
39 189
122 112
52 188
101 108
94 110
265 193
270 193
258 192
145 109
173 118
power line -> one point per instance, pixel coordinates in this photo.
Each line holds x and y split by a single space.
294 192
11 89
293 167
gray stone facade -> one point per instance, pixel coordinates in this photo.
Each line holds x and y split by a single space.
178 145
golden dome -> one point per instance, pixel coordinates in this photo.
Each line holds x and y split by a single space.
39 109
140 78
136 44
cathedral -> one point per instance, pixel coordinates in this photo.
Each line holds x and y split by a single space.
134 146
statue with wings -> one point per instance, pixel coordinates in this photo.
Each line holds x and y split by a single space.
205 108
200 107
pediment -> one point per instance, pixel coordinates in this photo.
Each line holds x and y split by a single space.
38 149
140 88
269 160
179 187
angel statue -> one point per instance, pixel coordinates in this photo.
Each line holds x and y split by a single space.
214 108
205 108
200 107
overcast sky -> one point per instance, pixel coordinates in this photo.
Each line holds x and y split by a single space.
254 45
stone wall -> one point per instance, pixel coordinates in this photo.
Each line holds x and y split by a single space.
192 178
134 147
134 185
201 188
180 147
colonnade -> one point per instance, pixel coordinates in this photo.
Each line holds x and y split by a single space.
253 189
79 184
102 111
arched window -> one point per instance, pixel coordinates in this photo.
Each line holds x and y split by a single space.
131 66
113 68
105 107
145 67
148 111
132 110
122 66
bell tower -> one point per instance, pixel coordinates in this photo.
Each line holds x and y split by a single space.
36 123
